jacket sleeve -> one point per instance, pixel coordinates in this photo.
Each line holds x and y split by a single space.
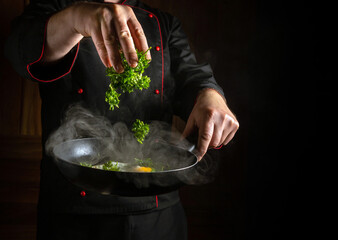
190 77
25 45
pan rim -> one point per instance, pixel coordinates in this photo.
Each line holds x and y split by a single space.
58 158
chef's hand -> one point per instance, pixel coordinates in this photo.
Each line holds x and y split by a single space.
215 122
109 26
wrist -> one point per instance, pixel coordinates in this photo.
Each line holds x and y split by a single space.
209 92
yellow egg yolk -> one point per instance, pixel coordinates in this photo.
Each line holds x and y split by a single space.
143 169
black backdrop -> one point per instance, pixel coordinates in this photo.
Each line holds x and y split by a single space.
290 84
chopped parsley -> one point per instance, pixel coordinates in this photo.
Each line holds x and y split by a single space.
147 162
128 81
140 130
110 166
83 164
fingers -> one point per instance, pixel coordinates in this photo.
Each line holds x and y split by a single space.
114 27
230 130
205 134
214 133
138 36
229 137
111 44
129 33
215 122
217 136
126 41
100 47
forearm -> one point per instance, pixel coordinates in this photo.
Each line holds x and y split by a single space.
61 35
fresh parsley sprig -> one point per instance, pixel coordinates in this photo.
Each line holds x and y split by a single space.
140 130
112 97
129 80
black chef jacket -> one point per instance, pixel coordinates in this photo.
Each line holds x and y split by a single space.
176 79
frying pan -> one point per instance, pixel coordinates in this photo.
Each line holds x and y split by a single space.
173 165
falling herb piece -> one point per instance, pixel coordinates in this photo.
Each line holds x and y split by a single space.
110 166
112 97
140 130
130 79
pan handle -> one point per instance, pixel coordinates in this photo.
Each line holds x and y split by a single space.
192 148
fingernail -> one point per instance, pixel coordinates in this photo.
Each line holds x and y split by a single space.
148 57
133 64
119 68
109 63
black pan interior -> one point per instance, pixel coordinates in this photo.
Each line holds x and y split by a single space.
165 157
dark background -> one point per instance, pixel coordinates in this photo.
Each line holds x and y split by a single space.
274 60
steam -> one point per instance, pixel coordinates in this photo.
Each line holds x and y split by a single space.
116 142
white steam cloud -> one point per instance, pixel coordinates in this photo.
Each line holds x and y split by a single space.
117 143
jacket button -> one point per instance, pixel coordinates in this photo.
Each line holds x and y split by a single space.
158 48
157 91
150 15
80 91
83 193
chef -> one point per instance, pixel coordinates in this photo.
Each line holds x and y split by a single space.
66 46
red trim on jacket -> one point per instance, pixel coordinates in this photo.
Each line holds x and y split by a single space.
159 27
43 48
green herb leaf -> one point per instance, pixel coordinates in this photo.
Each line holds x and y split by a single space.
140 130
129 80
110 166
112 97
83 164
144 162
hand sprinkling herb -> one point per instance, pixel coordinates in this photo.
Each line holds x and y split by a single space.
130 79
140 130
